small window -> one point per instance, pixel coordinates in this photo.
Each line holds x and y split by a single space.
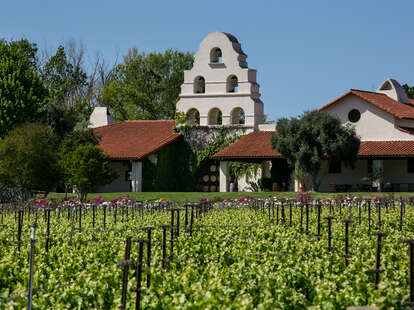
369 165
354 115
410 165
199 85
335 166
232 84
215 55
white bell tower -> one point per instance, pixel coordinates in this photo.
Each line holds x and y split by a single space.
220 89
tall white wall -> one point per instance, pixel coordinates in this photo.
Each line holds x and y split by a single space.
374 124
216 75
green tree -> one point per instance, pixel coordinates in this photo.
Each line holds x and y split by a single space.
22 93
409 91
146 86
63 79
67 83
306 140
28 158
86 167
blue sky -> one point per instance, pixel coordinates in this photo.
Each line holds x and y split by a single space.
307 53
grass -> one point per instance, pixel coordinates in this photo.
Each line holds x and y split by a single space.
195 196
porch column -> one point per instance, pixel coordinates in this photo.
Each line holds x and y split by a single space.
297 185
136 176
266 169
378 166
224 176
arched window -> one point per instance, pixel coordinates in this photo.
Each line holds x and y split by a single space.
215 117
237 116
215 55
199 85
232 84
193 117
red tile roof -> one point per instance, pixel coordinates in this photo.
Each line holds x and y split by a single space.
256 145
381 101
386 149
253 145
135 139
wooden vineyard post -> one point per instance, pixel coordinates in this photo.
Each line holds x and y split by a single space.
318 234
149 231
104 216
47 230
125 264
346 255
377 269
378 204
73 224
164 245
19 229
283 213
186 218
401 214
31 258
277 214
93 215
329 218
115 211
369 216
290 214
268 210
410 302
139 289
178 222
301 218
307 219
80 218
191 220
172 223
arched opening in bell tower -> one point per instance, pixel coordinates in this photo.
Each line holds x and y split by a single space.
193 117
199 85
237 116
215 117
232 84
215 55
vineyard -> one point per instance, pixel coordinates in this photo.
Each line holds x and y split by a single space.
235 254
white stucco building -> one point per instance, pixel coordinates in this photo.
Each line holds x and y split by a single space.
383 120
220 90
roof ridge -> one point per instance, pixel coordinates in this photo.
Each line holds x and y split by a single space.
147 120
368 91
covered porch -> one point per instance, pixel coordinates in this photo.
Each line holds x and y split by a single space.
252 148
